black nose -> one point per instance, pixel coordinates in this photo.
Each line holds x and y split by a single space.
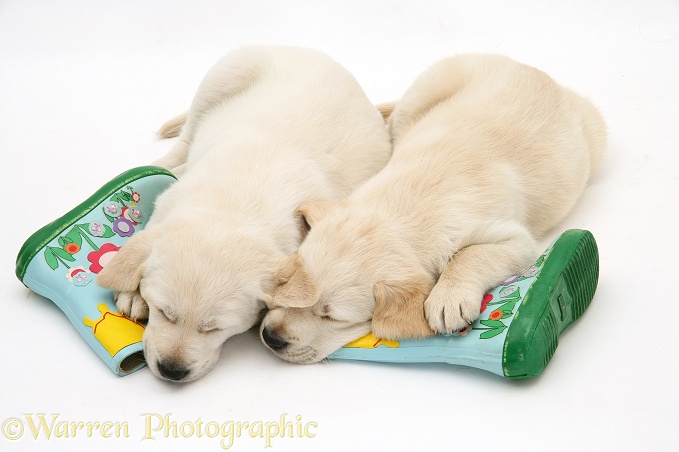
273 340
171 371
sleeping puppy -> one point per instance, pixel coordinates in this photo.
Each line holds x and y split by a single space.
488 155
269 129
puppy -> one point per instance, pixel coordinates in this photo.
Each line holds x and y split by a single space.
488 155
269 129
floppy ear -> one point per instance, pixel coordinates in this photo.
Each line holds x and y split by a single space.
399 310
123 272
302 224
314 211
295 288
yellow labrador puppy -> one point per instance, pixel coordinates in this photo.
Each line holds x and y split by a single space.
269 129
488 155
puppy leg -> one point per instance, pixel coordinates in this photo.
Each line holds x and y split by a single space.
174 160
455 300
124 272
131 304
439 83
185 125
231 76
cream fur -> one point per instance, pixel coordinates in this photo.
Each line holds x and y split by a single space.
270 128
489 154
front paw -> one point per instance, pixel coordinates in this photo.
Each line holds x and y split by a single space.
132 305
450 309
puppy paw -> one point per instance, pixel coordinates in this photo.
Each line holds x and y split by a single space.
132 305
450 309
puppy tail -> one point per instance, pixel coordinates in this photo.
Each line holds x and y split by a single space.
172 127
386 109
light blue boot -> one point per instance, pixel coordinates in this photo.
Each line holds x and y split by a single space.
60 261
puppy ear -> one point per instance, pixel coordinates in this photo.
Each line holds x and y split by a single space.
123 273
314 211
303 225
399 310
295 288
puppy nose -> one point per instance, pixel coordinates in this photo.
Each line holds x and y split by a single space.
273 340
172 372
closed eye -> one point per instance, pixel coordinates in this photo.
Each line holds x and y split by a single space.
208 327
209 330
168 317
330 319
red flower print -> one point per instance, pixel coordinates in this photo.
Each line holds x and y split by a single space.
74 271
102 257
487 298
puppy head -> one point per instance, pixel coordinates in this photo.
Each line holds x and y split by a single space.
201 287
350 276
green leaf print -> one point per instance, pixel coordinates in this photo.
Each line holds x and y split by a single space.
510 293
63 254
108 232
73 236
51 259
491 333
84 232
493 323
508 306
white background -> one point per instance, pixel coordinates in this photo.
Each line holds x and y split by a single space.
84 85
